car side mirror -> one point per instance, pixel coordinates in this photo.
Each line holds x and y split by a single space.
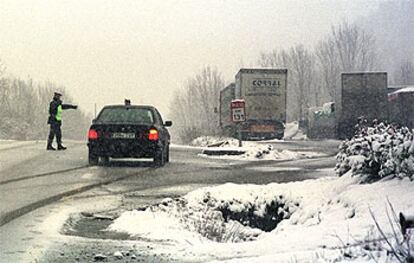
168 124
93 121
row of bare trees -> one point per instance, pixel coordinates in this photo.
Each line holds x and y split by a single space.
24 110
313 79
193 108
314 74
404 74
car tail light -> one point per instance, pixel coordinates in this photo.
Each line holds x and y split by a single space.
153 135
92 134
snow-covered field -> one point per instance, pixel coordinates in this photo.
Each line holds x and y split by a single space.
323 219
328 219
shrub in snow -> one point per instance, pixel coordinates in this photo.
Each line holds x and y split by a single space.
229 220
265 216
377 151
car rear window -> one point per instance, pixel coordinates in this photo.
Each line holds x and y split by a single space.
124 114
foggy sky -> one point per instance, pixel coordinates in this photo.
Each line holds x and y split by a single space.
106 50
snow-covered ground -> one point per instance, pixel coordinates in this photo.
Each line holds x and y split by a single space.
7 144
323 219
9 158
252 150
293 132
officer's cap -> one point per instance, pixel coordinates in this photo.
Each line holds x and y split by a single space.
57 94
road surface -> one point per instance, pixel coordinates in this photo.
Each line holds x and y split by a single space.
35 184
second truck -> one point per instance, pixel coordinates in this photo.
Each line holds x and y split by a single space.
264 92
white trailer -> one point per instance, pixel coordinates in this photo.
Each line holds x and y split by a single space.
264 92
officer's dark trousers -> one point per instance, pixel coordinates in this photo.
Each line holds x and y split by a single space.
55 131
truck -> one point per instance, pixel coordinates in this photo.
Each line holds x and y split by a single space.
264 92
362 94
401 106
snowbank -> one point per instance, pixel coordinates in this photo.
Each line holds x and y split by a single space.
409 89
230 221
254 151
250 150
208 141
293 132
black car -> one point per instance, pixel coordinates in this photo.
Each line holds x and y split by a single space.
129 131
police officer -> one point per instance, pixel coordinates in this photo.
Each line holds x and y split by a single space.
55 121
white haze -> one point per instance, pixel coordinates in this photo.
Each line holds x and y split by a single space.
104 51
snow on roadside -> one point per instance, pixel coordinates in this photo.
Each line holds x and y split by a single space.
206 141
253 150
293 132
316 214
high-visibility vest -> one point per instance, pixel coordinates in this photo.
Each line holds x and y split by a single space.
59 113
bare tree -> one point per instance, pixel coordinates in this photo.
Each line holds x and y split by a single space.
302 70
355 47
272 59
328 67
193 107
347 48
314 77
405 74
3 89
24 113
300 62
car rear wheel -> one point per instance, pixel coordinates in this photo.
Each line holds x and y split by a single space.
167 154
93 159
159 158
105 160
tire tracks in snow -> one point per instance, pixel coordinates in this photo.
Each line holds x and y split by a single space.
12 146
13 214
42 174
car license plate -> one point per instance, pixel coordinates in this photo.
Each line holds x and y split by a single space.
123 135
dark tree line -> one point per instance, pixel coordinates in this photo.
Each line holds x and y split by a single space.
24 110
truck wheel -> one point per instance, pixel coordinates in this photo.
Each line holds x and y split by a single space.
159 158
93 159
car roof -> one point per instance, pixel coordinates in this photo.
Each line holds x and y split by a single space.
129 106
